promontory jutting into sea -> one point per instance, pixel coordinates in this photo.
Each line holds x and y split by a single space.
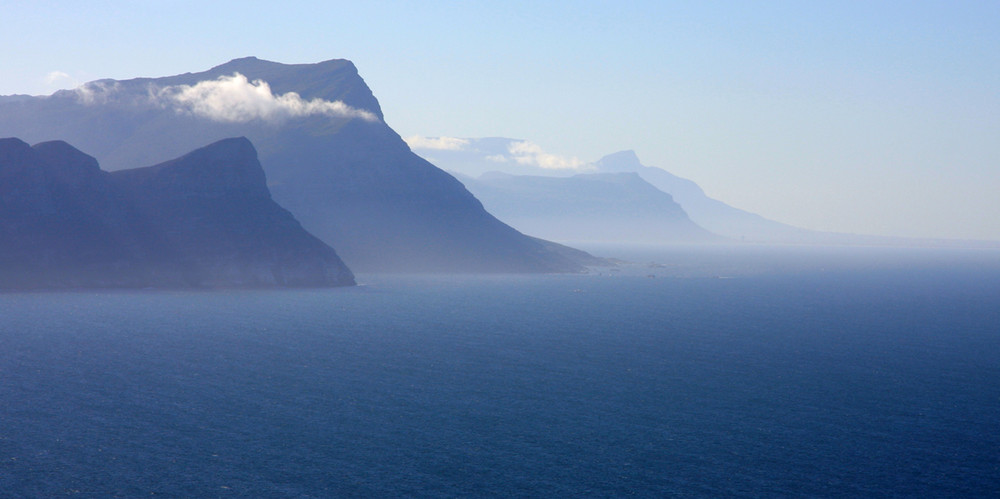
242 282
328 156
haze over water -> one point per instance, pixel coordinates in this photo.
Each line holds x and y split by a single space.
763 372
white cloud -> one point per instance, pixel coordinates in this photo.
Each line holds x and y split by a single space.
55 77
96 92
236 99
436 143
232 99
497 158
529 153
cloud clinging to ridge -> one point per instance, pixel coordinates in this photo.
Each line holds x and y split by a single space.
96 92
231 99
235 99
528 153
436 143
520 152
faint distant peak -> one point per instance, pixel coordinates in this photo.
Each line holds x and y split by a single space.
622 161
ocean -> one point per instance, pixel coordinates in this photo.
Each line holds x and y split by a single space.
761 372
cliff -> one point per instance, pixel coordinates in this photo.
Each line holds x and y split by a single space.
330 159
203 220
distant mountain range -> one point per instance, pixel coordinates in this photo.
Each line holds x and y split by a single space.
205 219
586 208
512 177
707 212
632 206
330 159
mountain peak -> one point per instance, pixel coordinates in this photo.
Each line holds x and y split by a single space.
205 219
16 158
258 62
13 145
239 148
67 164
622 161
333 80
246 64
223 168
58 151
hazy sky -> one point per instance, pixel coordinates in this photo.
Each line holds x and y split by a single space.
868 117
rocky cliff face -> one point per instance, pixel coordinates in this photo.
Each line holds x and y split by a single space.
60 224
330 159
205 219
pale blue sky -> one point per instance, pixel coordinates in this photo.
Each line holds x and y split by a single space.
868 117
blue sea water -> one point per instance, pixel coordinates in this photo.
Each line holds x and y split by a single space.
713 373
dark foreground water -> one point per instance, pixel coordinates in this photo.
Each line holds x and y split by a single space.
727 374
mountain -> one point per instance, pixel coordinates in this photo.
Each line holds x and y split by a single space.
587 208
709 213
474 156
329 157
203 220
741 225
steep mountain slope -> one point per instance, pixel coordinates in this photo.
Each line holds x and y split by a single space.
586 208
330 159
712 214
206 219
474 156
60 223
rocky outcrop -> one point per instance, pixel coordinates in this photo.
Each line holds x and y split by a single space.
203 220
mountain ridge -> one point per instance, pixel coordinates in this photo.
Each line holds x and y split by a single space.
179 224
350 181
587 208
476 156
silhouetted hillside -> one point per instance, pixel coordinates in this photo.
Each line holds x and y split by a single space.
206 219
